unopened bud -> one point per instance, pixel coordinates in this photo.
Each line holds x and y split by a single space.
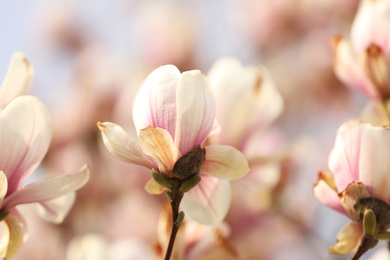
180 218
369 222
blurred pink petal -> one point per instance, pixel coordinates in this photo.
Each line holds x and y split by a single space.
47 189
57 209
224 162
371 25
195 110
209 201
242 94
25 132
18 80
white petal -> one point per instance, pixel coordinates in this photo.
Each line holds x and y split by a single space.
195 111
224 162
121 145
25 133
57 209
48 189
209 201
18 80
155 103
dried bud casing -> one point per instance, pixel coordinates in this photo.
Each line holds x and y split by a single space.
190 163
380 208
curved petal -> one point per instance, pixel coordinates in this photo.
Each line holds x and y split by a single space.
48 189
157 143
195 111
247 99
57 209
371 25
155 103
18 80
348 239
345 155
25 133
209 201
349 71
224 162
152 187
121 145
12 237
327 195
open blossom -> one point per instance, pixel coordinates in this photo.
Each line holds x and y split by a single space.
359 168
363 62
25 133
173 114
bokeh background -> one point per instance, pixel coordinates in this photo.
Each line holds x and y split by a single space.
91 56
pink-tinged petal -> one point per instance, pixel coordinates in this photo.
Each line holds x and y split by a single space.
376 113
348 239
3 186
374 164
326 194
195 110
361 154
157 143
348 198
350 71
247 100
25 133
12 236
18 80
152 187
57 209
155 103
121 145
209 201
371 25
224 162
48 189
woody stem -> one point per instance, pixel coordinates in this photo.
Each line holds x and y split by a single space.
177 196
364 246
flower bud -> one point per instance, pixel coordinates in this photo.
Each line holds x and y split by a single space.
160 179
190 183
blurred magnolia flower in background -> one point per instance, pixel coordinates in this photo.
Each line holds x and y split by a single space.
173 113
25 133
359 169
363 62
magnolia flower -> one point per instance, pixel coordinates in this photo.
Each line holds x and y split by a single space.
363 62
247 103
25 133
173 114
360 169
